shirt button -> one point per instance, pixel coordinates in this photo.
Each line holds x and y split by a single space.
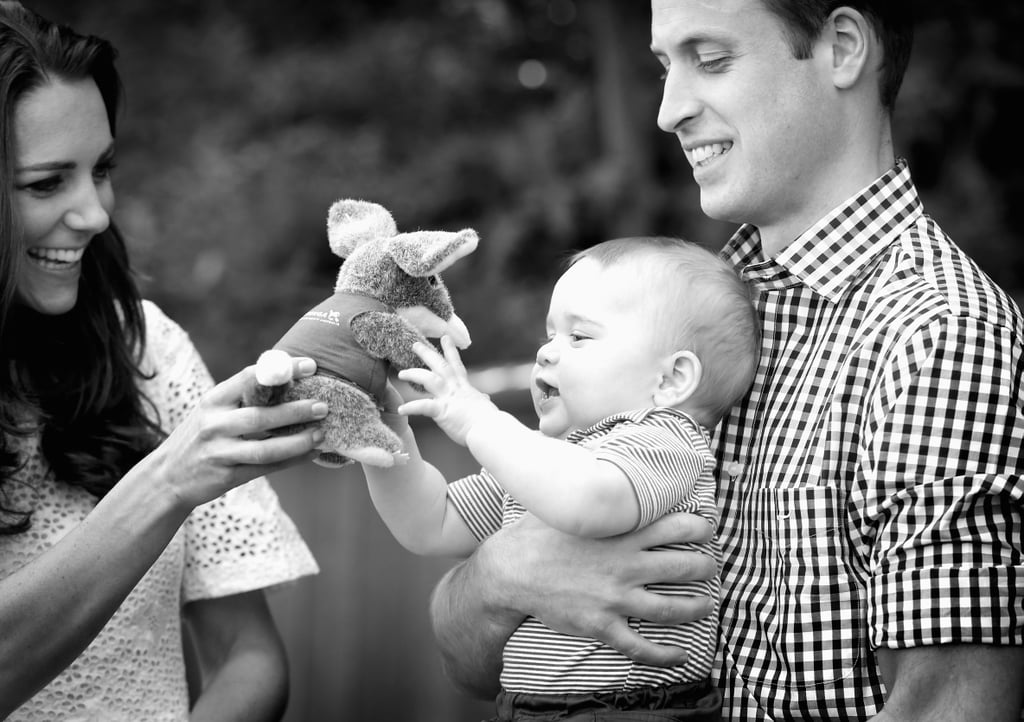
734 468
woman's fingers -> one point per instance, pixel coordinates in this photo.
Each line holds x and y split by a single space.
271 453
229 392
255 420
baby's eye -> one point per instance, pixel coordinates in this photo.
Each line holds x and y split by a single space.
578 337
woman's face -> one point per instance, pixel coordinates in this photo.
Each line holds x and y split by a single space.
62 191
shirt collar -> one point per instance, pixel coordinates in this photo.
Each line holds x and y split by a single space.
833 253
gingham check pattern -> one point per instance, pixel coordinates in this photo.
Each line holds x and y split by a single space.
870 483
667 458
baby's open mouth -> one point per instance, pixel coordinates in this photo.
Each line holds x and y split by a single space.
547 391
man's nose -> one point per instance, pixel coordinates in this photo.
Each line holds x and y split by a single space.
679 102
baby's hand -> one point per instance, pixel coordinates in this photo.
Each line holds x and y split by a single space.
455 404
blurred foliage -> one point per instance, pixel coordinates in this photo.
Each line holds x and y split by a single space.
532 121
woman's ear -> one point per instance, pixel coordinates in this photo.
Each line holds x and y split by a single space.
850 38
680 379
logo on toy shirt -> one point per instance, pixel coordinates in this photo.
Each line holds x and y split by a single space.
337 352
330 317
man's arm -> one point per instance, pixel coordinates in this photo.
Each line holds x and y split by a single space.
952 682
583 587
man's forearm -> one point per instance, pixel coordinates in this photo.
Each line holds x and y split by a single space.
470 631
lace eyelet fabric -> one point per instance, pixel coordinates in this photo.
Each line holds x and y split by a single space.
134 669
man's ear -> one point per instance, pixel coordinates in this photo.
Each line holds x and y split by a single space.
680 379
851 40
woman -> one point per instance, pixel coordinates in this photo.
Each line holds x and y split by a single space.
111 436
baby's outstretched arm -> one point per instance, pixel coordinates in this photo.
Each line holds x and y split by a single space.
566 486
412 498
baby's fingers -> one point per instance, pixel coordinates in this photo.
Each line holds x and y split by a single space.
429 355
451 354
424 377
421 407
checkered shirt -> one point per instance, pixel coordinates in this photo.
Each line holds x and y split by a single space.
870 483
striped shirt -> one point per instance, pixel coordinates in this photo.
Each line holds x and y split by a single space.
870 483
667 458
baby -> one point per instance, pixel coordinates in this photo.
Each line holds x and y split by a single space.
650 341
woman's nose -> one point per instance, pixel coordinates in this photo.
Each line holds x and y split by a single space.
90 210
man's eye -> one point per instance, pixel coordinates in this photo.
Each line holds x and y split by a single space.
715 65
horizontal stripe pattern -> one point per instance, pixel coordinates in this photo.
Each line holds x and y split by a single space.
667 458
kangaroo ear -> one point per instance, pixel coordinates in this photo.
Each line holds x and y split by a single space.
425 253
350 223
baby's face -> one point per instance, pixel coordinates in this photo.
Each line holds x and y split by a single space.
602 355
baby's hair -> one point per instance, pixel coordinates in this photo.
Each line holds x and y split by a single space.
702 306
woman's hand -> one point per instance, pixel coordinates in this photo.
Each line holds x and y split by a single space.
221 444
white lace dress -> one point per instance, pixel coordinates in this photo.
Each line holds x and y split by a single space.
134 671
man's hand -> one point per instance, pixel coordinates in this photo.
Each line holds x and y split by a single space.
589 587
585 587
454 404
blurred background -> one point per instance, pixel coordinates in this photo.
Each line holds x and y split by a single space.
532 121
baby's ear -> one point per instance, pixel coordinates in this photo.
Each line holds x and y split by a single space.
679 380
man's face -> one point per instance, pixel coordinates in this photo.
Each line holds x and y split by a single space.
755 123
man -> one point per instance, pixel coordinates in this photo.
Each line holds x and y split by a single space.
871 491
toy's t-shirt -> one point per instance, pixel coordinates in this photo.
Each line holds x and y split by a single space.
325 335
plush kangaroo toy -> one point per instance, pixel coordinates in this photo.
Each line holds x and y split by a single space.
387 296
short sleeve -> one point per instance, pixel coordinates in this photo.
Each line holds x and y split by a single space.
663 454
242 540
479 500
941 481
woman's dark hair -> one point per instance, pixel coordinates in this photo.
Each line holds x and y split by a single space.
891 20
73 377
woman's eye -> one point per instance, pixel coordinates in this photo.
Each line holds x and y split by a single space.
104 170
43 185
